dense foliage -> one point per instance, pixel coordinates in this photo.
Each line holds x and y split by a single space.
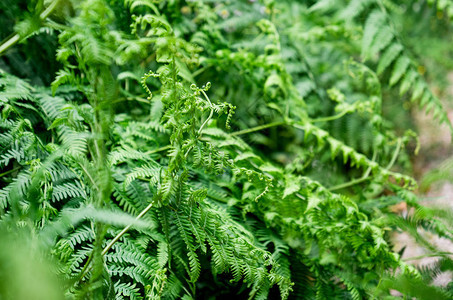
203 149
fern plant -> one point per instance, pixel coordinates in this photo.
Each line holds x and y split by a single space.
195 149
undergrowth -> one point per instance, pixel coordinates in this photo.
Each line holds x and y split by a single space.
205 149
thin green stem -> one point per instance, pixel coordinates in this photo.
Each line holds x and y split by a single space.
428 255
298 126
348 184
126 229
258 128
201 70
395 154
16 37
331 118
210 113
158 149
87 266
9 43
9 171
93 182
378 285
352 182
48 10
355 181
367 173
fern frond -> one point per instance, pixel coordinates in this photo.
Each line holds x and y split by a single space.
129 290
402 67
148 172
67 190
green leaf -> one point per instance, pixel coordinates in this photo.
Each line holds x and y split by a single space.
401 65
390 54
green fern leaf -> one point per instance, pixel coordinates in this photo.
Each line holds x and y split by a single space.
401 65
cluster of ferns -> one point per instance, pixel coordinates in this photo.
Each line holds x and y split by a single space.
201 149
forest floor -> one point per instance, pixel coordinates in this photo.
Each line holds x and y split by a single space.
436 147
